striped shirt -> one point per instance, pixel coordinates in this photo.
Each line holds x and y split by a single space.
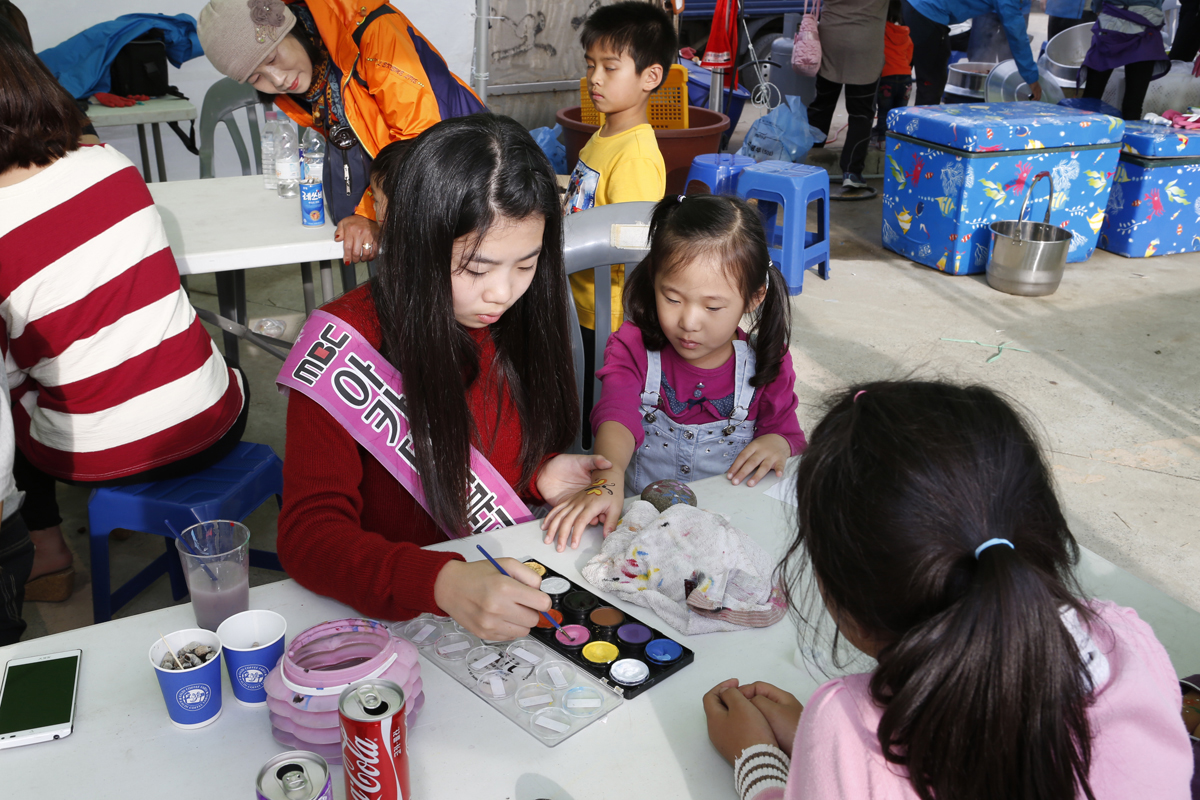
111 371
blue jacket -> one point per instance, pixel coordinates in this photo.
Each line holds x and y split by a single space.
81 63
1012 16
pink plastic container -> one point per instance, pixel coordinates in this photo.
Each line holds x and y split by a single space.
303 689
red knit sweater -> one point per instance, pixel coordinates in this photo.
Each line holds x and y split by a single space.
348 530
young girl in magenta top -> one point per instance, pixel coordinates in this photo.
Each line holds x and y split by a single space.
686 393
469 276
928 517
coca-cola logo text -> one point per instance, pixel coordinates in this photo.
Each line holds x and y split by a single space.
362 775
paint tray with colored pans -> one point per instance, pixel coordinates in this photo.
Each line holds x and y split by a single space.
612 646
548 696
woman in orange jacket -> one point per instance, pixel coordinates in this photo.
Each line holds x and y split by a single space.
357 71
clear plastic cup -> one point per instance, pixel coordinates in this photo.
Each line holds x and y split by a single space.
216 563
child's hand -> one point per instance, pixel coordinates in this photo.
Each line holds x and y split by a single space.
492 606
600 503
781 709
766 453
564 475
734 723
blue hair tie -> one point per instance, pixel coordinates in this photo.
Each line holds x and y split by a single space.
989 543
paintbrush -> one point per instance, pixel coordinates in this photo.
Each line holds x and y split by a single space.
549 618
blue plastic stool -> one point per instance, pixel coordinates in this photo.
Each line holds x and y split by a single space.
230 489
704 170
793 247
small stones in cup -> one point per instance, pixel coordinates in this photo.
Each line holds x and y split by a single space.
190 655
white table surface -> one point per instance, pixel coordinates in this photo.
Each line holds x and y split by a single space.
655 745
223 224
160 109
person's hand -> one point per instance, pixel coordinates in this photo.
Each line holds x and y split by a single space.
492 606
600 503
734 723
766 453
360 237
1035 89
564 475
781 709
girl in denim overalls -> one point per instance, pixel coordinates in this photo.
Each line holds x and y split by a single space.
686 393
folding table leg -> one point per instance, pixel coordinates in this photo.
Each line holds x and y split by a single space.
310 293
349 278
158 151
227 305
146 174
326 281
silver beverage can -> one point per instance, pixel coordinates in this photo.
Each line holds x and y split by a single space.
295 775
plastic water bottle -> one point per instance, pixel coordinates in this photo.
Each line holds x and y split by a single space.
312 196
287 159
269 132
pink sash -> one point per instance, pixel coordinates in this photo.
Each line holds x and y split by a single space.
335 366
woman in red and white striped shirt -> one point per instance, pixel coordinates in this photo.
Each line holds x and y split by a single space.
113 378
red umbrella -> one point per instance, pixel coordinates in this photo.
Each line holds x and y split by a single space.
721 50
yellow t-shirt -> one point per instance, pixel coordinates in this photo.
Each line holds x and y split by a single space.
624 168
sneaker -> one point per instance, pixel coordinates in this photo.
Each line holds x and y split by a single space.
853 181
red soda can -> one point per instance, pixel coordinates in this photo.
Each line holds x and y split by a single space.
374 740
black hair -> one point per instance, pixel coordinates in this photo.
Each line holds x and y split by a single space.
461 177
39 121
895 12
643 31
983 688
17 20
684 229
386 163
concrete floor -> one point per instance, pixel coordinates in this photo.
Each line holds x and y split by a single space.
1112 375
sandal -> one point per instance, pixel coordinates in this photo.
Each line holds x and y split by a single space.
53 587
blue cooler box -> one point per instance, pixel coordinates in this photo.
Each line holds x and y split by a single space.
1154 206
952 170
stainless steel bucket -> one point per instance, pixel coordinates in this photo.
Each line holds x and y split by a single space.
1028 258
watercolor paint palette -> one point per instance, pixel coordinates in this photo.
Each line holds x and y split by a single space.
614 647
544 694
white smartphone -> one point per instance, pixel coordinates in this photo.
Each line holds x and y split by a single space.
37 698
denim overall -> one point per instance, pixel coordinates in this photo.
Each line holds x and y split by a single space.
690 452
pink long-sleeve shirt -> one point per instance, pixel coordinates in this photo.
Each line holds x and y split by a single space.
623 377
1140 748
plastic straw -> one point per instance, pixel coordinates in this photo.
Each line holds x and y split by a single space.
190 549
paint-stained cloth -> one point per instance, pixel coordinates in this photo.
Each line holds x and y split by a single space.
691 567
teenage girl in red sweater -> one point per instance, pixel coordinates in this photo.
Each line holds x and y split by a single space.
470 305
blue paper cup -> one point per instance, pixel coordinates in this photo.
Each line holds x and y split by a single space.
193 696
252 643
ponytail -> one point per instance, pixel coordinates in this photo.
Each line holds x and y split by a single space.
686 228
983 689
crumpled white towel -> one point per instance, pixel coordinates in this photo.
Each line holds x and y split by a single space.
691 567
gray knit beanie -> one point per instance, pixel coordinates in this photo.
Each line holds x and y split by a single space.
238 35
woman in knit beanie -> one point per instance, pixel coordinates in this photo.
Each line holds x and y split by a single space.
357 71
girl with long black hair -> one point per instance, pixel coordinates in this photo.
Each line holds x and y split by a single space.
927 516
687 393
470 306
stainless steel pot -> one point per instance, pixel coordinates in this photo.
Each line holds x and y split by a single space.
1028 258
966 78
1065 53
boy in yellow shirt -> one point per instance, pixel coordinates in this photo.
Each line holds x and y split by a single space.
629 47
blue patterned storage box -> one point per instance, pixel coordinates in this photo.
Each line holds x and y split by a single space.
952 170
1154 206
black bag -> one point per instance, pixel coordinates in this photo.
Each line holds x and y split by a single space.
347 175
141 67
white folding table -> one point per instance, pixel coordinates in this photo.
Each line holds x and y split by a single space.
147 112
226 225
655 745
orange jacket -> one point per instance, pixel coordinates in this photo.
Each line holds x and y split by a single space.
897 50
408 86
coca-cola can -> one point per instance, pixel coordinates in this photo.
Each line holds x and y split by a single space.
295 775
374 741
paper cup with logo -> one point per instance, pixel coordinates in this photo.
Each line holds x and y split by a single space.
193 696
253 643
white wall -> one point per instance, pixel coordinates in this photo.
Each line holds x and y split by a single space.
448 24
